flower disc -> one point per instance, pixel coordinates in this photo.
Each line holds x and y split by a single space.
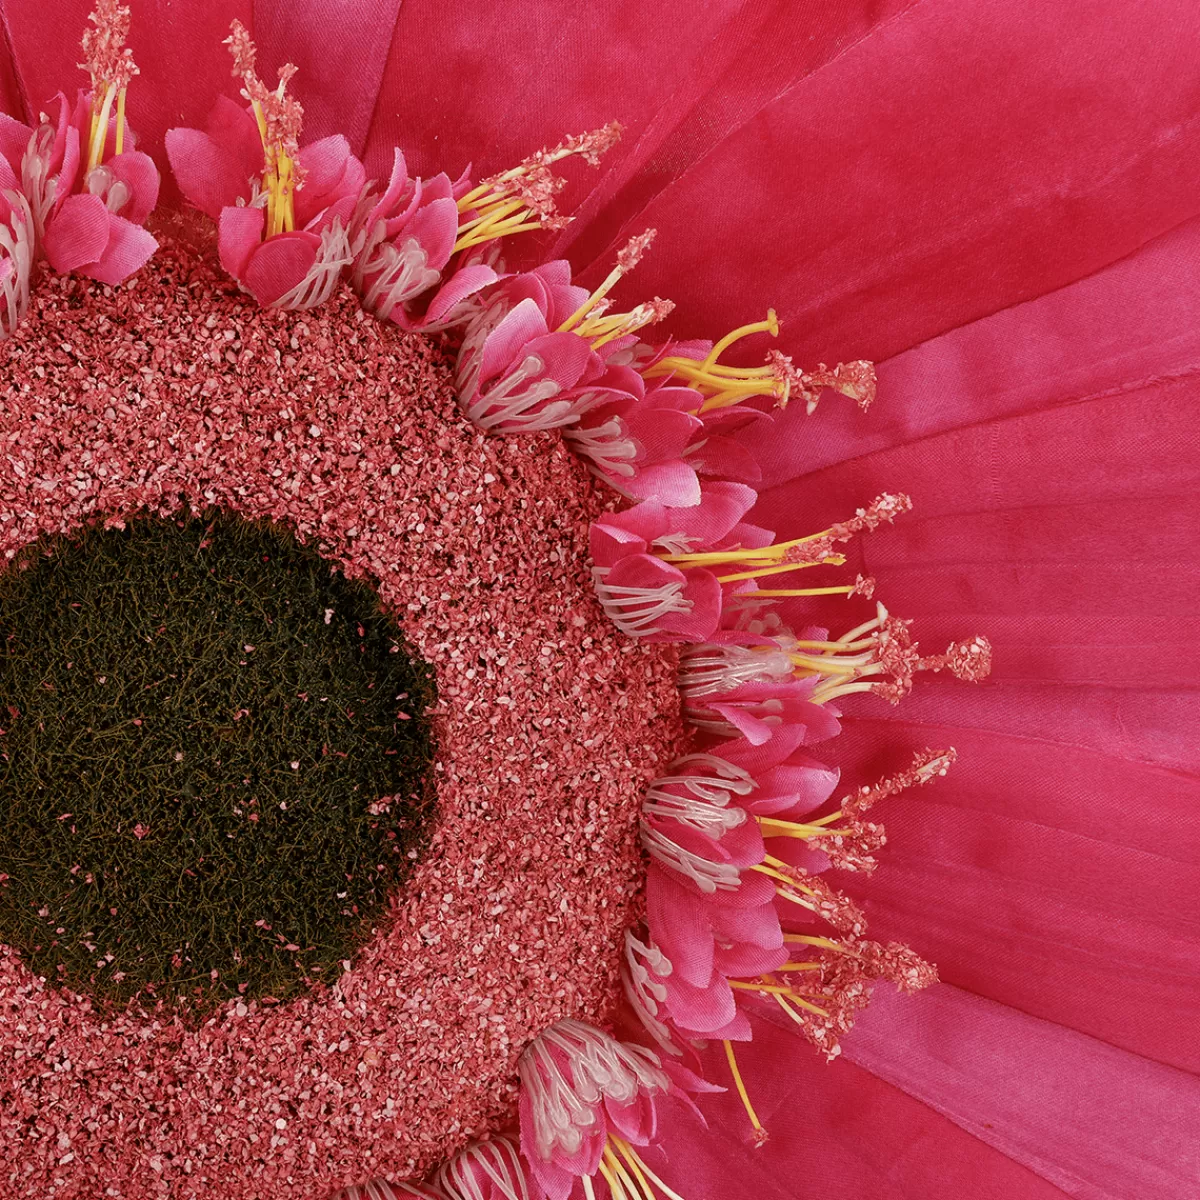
213 764
175 393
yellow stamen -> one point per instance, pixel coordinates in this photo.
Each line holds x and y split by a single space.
638 1164
834 560
739 1083
101 111
786 1006
616 1191
722 385
808 939
120 140
773 827
825 591
762 554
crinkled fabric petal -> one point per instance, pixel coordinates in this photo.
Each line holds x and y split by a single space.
836 1133
239 233
77 233
138 172
216 168
128 249
279 264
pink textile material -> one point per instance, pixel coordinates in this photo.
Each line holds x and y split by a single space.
1002 208
1039 1085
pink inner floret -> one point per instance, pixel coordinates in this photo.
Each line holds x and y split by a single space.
174 389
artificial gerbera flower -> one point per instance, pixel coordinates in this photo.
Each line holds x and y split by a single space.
593 508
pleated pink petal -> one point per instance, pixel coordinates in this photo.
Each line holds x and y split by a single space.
128 249
77 233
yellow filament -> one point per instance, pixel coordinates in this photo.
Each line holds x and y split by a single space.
99 130
770 325
631 1186
591 302
739 1083
120 141
638 1165
722 385
835 560
771 989
616 1191
587 1188
794 829
806 939
825 591
786 1006
798 966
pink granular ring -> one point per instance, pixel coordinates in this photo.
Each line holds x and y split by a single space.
175 391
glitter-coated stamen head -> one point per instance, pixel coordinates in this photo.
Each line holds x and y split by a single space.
779 379
110 64
592 319
279 118
523 197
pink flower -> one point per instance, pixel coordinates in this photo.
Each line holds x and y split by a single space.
87 195
586 1101
283 211
403 240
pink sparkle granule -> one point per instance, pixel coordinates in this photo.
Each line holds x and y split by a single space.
175 390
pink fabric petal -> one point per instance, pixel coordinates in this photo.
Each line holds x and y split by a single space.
240 233
1096 1121
520 326
679 925
138 172
672 483
701 1009
462 284
279 264
635 1121
14 138
213 168
77 233
128 250
435 227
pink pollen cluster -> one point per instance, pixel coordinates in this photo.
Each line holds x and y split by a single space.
174 390
106 58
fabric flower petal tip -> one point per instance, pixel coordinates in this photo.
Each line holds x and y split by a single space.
588 1102
75 192
283 211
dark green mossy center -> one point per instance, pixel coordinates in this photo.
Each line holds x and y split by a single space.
214 766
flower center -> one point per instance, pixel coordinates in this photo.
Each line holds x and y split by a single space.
212 764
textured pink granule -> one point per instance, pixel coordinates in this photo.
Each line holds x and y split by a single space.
172 390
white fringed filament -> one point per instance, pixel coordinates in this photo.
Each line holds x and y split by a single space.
16 263
565 1103
333 256
386 275
518 402
708 670
707 875
608 449
707 808
36 182
497 1161
644 968
636 611
114 192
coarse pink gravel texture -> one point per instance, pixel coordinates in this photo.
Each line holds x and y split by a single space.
175 390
